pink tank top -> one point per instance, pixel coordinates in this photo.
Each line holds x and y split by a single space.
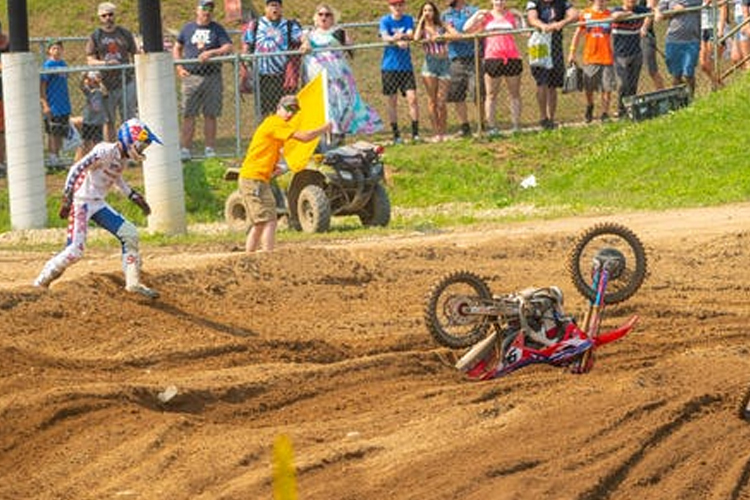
501 46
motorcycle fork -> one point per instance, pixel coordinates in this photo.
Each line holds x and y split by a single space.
593 318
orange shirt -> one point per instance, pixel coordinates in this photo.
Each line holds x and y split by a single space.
264 150
597 48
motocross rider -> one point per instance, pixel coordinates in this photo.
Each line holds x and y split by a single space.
88 182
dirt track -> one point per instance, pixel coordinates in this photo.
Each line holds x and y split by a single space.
326 343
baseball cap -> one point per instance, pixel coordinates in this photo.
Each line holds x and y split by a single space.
203 3
106 8
395 2
289 101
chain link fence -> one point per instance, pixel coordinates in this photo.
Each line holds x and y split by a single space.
512 86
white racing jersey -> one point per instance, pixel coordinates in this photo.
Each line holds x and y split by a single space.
94 175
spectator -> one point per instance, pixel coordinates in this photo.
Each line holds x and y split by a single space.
396 70
741 46
86 187
436 71
709 37
259 166
550 16
55 101
648 47
111 44
501 60
94 115
462 67
4 47
268 34
202 85
626 39
598 59
349 113
682 42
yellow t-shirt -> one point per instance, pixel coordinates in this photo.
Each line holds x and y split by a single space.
263 153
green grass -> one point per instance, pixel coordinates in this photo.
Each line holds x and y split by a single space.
693 157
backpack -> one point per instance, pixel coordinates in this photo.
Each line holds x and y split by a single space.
246 67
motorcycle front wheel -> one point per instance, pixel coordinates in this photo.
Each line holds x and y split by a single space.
623 251
447 310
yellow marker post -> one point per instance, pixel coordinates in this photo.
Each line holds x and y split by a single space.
284 477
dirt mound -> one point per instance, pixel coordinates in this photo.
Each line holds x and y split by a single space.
325 342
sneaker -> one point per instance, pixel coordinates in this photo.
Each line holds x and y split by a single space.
605 117
465 130
493 133
143 290
398 140
589 113
416 139
185 154
210 153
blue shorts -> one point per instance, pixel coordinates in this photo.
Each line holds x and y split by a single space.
438 67
740 36
681 58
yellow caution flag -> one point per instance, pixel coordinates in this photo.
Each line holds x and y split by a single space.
313 114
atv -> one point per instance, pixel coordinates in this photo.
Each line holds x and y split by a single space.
347 180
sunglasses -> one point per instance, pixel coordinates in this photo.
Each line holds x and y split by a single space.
325 14
107 14
291 108
207 8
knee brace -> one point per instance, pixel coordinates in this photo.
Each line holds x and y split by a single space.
128 236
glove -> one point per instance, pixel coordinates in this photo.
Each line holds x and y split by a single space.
139 200
65 205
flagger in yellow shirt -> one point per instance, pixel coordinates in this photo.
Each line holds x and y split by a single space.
259 167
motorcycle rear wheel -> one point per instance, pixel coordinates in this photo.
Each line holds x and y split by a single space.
446 301
614 239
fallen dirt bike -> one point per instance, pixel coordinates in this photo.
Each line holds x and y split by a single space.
506 332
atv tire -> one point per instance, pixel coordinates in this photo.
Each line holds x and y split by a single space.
313 209
235 213
377 212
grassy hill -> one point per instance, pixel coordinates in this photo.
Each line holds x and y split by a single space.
693 157
50 19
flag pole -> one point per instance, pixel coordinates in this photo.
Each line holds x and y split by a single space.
325 103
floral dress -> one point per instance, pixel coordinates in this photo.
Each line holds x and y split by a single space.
349 113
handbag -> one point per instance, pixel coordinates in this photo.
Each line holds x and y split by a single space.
246 77
540 50
573 79
293 62
72 139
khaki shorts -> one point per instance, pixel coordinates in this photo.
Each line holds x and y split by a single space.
202 94
259 201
